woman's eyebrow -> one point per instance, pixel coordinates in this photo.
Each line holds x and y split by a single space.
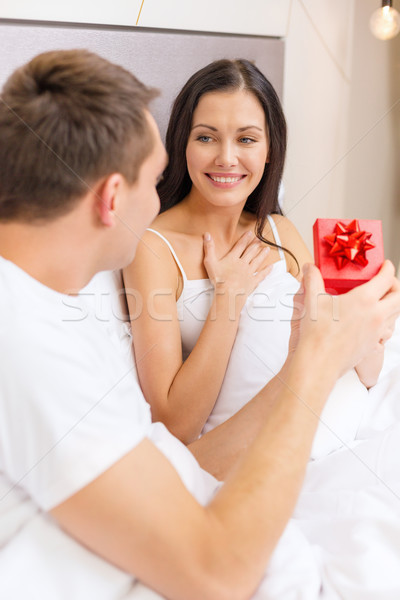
240 129
204 125
250 127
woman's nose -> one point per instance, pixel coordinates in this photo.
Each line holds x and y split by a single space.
226 155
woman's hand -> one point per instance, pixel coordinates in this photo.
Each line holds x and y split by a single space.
238 273
369 368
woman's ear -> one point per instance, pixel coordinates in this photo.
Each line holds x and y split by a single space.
106 198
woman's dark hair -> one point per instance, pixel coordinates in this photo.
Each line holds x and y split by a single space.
226 75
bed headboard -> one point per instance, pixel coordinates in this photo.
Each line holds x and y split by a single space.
161 58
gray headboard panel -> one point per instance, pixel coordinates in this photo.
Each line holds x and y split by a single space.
161 58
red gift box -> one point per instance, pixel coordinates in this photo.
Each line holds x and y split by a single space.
347 252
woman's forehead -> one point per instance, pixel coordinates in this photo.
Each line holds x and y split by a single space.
237 106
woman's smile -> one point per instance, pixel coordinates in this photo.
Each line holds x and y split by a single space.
225 180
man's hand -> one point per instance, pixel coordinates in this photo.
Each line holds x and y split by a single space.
346 328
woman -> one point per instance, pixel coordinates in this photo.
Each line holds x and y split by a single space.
215 253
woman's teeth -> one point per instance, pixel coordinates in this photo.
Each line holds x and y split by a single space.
225 179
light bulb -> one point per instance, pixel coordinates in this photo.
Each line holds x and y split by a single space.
385 23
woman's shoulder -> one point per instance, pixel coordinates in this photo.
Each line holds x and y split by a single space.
290 239
284 226
168 249
153 262
154 238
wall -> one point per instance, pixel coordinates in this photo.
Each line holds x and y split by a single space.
317 84
373 170
256 17
160 58
119 12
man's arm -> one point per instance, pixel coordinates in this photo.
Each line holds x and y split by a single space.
139 516
219 450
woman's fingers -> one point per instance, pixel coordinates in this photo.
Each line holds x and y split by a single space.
242 244
242 267
251 249
257 257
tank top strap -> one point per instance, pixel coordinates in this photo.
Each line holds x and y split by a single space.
172 251
276 236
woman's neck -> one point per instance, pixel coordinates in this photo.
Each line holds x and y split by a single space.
224 223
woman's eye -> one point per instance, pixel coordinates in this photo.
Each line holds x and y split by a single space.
246 140
203 138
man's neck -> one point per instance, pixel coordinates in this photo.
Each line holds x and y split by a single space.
48 254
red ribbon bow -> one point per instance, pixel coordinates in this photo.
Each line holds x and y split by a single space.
349 244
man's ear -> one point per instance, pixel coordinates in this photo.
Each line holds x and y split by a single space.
106 198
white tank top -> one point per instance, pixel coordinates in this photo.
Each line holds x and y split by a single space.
260 350
261 343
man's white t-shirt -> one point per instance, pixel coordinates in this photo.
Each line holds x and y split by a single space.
70 407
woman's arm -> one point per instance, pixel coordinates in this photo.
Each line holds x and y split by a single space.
291 240
182 395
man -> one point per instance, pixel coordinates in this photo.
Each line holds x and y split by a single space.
92 493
